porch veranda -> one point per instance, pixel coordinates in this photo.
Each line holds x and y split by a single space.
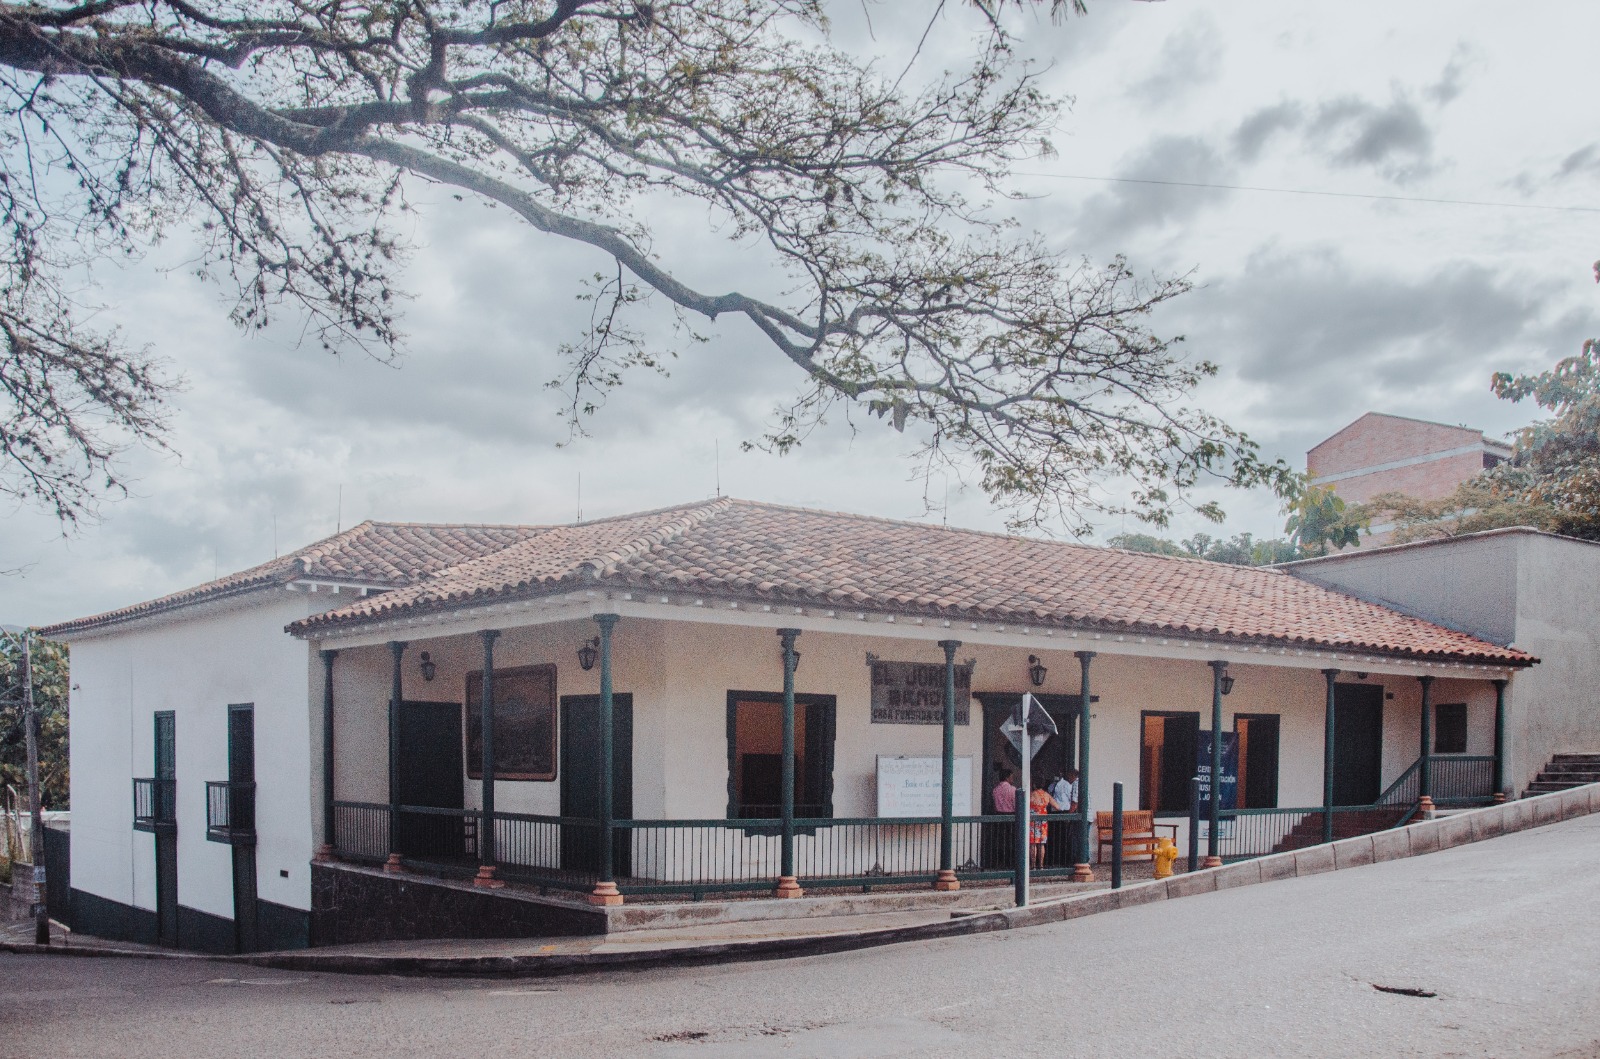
610 855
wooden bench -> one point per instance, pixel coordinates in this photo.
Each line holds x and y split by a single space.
1139 838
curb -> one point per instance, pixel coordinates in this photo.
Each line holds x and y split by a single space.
1414 840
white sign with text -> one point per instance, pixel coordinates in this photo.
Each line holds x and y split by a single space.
912 786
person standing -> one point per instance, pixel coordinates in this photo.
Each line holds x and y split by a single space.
1065 791
999 837
1004 794
1039 803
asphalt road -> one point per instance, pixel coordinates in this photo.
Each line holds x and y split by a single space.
1506 933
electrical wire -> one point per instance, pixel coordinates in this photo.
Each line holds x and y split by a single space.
1307 191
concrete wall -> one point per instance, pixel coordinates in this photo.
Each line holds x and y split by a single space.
1530 590
195 667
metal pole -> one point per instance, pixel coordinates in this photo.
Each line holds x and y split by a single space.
1116 836
1024 789
1083 871
30 724
1194 823
606 887
1329 675
1213 860
486 850
397 648
947 874
1425 783
788 885
1500 740
328 823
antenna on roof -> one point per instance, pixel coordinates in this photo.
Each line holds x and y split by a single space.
716 452
947 501
274 533
580 497
338 512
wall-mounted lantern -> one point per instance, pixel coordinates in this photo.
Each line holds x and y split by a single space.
1036 671
588 653
429 670
1226 682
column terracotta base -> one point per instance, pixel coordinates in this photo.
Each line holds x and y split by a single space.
788 886
946 880
486 879
1499 797
393 863
1425 808
1211 862
605 893
1082 873
324 855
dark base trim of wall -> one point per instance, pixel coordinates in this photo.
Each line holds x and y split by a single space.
203 932
278 926
281 927
105 918
350 905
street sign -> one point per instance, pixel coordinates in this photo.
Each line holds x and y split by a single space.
1041 726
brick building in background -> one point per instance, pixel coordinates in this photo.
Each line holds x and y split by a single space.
1381 453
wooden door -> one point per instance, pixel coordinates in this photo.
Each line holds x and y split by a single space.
242 821
166 771
1357 743
580 779
430 775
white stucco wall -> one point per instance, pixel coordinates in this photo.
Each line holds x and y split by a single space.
196 666
1533 591
679 673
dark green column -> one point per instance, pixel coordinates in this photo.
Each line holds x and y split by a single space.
486 850
397 648
1425 775
1213 860
328 834
947 873
605 890
788 885
1330 675
1500 740
1083 871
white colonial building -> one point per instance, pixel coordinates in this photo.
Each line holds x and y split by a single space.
292 755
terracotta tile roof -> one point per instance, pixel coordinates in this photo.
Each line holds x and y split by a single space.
770 553
378 554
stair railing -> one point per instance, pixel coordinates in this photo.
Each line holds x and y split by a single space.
1406 791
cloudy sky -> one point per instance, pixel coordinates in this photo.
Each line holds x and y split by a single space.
1317 307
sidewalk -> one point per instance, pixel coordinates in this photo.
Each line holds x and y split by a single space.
773 938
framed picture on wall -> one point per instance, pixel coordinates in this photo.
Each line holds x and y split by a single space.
524 723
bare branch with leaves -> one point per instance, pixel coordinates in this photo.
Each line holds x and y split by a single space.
287 129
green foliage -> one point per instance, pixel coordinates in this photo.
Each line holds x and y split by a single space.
1482 503
1556 466
1319 519
1242 549
50 682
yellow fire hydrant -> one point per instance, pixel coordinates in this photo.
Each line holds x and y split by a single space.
1165 854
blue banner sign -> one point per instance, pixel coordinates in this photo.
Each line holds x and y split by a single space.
1230 771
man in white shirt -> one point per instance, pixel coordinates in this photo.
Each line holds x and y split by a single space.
1065 791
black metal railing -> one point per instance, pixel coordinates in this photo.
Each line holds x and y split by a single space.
701 856
155 804
361 830
1406 788
230 811
1246 833
441 836
1462 779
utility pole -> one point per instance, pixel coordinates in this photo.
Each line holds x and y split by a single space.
30 724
